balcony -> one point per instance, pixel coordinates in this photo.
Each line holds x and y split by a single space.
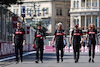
83 9
86 6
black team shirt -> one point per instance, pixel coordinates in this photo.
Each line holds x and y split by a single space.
59 36
19 35
92 33
39 34
76 34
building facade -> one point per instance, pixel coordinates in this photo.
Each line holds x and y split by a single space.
60 13
84 12
34 11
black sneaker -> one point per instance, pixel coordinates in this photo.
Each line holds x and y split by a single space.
92 61
76 61
61 59
57 61
36 61
17 62
21 61
89 60
41 61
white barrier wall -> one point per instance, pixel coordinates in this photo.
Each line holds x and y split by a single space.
8 49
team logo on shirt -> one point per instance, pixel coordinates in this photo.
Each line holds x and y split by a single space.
59 34
19 32
91 33
76 34
38 35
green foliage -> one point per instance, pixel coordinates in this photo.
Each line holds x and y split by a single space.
9 2
34 25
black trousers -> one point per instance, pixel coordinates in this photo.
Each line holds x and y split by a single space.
76 48
57 52
39 48
19 47
91 45
93 50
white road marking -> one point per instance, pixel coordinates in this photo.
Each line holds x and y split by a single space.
14 56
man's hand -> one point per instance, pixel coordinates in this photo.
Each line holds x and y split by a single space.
52 42
33 45
23 43
71 44
33 42
13 44
97 42
81 42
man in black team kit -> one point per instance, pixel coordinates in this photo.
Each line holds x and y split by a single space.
58 36
77 41
38 39
18 41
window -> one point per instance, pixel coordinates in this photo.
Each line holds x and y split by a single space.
43 11
14 10
27 11
88 4
47 11
96 4
38 11
23 9
68 12
17 12
78 21
30 12
96 22
35 11
87 22
75 21
74 4
77 4
59 11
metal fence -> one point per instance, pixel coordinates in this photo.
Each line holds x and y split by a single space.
50 38
6 24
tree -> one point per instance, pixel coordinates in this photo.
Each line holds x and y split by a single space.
9 2
34 25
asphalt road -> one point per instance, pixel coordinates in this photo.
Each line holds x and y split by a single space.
50 61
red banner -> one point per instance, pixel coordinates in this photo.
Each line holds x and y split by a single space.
14 19
28 29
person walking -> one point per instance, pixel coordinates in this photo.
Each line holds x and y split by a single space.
38 41
18 41
77 36
92 33
58 37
